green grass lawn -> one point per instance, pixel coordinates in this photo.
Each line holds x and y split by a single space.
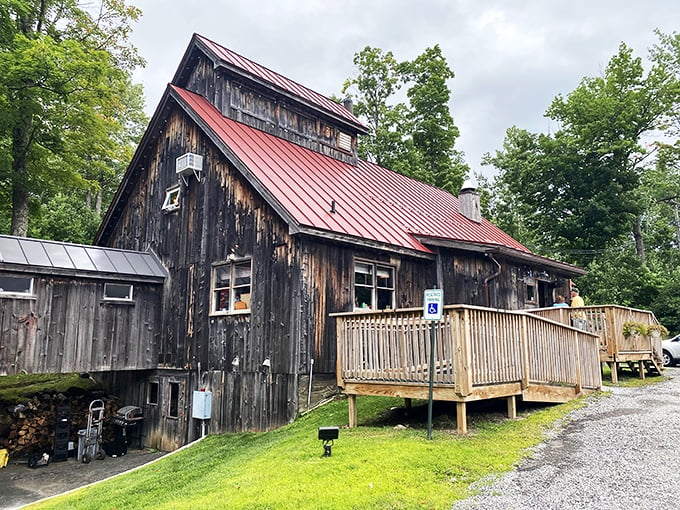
374 466
378 465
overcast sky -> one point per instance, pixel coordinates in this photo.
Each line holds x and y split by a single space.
510 58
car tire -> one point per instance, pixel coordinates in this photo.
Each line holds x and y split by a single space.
667 359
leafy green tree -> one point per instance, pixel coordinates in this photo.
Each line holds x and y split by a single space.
66 76
433 130
66 218
579 190
377 82
416 139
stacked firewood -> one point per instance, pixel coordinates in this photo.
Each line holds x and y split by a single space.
30 425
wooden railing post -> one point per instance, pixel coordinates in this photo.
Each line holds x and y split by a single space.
339 340
579 376
463 358
525 354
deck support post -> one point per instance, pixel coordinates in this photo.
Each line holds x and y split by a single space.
614 370
352 401
512 407
408 405
461 417
641 365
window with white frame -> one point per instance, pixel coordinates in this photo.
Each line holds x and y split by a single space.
16 286
373 285
171 202
117 292
231 287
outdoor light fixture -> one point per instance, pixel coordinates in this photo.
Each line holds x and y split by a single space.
327 435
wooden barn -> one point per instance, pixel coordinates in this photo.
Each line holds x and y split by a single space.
247 188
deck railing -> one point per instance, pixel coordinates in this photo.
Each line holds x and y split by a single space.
607 322
474 347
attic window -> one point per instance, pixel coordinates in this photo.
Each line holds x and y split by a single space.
16 286
345 142
171 202
117 292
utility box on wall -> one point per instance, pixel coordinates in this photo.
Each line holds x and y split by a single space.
202 405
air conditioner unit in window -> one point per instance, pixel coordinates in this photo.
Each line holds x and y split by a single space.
188 164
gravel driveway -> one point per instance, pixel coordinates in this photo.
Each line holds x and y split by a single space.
621 451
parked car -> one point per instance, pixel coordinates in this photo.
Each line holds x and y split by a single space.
671 351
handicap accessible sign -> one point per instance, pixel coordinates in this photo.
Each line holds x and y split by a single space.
433 304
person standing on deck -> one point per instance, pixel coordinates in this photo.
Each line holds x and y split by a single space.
559 301
578 319
576 299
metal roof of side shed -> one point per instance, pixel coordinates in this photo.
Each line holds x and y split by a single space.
40 253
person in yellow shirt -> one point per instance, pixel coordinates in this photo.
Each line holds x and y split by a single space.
578 319
576 299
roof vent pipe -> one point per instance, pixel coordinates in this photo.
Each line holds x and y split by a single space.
349 106
468 202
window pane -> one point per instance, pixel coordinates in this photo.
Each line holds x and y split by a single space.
363 273
242 274
222 300
222 276
363 297
385 277
385 298
16 284
117 291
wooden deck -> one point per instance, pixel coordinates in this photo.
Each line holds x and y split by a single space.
606 321
479 353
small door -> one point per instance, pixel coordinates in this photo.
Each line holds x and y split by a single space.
166 411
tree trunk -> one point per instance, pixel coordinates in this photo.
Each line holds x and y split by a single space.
98 205
21 141
639 243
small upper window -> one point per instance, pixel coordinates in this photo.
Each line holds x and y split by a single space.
171 202
118 292
231 287
16 285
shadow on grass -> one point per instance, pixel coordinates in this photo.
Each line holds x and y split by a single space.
444 414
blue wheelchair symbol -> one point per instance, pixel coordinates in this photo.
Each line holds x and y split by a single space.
433 308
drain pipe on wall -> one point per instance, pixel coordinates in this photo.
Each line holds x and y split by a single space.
489 278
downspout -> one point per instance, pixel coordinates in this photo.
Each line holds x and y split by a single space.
489 278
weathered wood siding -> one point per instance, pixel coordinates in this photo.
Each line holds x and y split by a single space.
68 327
259 107
217 215
465 273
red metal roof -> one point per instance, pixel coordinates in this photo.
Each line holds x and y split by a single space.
371 202
261 72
